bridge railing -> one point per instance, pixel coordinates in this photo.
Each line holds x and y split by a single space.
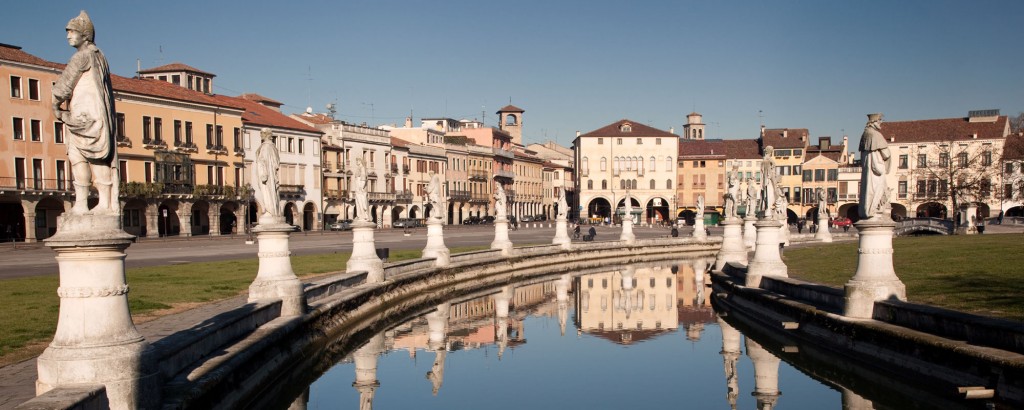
909 223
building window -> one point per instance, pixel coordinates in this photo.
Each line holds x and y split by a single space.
943 159
832 174
301 146
986 158
15 87
237 138
902 190
37 173
148 167
158 129
62 175
209 135
122 170
177 132
903 161
808 175
220 136
35 130
618 141
604 184
176 80
600 141
657 141
639 141
590 184
188 132
33 89
922 160
961 159
146 128
18 128
604 164
58 132
819 175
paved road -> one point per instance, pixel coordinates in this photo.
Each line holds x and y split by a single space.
25 260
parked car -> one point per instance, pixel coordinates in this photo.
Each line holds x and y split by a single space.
340 225
406 223
841 222
540 217
526 218
473 220
488 220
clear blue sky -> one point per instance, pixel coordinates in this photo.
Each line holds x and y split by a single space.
574 65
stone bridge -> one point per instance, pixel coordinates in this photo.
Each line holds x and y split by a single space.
927 225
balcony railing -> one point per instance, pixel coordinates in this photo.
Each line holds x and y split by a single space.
506 174
151 143
394 168
216 149
458 195
404 197
478 175
239 150
292 190
504 153
849 197
32 184
381 196
480 198
177 189
337 194
405 169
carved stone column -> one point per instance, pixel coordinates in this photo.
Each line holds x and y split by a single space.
152 220
435 243
364 252
96 340
627 229
875 278
733 249
275 279
214 216
501 240
767 260
562 233
749 232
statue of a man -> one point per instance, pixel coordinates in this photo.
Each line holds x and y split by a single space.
500 200
563 205
85 86
822 204
629 207
434 195
769 190
700 207
359 190
732 195
265 180
753 195
876 160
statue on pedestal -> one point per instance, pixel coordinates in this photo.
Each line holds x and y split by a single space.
822 205
732 195
500 200
563 206
700 207
628 211
769 189
84 86
876 163
753 195
265 182
434 196
359 188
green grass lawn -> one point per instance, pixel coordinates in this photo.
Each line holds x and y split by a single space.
31 304
981 274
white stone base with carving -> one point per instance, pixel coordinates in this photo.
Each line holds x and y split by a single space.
96 341
967 224
364 252
501 240
562 234
749 232
733 249
627 230
699 231
275 278
435 243
823 233
784 233
767 260
875 278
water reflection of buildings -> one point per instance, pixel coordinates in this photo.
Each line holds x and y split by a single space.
637 303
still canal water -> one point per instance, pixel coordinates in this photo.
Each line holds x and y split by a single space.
642 336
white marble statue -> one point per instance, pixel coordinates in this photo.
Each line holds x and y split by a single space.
563 205
700 207
265 179
732 195
769 188
434 196
628 211
362 198
822 204
876 163
84 86
752 197
500 201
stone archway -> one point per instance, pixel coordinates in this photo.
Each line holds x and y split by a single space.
899 212
133 217
1017 211
599 208
308 216
290 212
12 221
414 212
932 210
396 213
47 211
200 219
655 212
167 218
227 222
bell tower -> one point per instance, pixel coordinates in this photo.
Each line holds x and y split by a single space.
510 120
694 128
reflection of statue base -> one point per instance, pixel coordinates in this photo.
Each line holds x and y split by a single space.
627 230
749 232
823 234
96 341
733 249
875 278
364 252
562 233
698 229
276 279
767 260
501 240
435 243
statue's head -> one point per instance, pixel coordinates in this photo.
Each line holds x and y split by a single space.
266 135
769 151
82 25
875 119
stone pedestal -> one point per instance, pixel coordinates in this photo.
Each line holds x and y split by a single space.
364 253
823 234
733 249
766 375
562 234
699 231
767 260
875 278
501 240
435 243
96 341
627 230
968 219
275 279
749 232
784 232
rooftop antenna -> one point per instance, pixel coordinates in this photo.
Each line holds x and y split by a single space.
160 59
332 109
760 117
309 86
483 115
372 120
138 68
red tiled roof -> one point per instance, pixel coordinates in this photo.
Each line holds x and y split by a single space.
702 148
742 149
261 115
831 154
14 53
945 129
319 119
261 99
638 130
511 108
163 89
398 142
774 137
1014 147
175 67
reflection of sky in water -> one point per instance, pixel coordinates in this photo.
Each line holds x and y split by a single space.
569 372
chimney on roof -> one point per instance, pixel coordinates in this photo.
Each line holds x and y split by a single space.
671 130
824 143
845 141
577 134
762 131
408 122
785 132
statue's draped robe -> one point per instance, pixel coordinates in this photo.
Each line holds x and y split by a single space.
86 82
873 187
